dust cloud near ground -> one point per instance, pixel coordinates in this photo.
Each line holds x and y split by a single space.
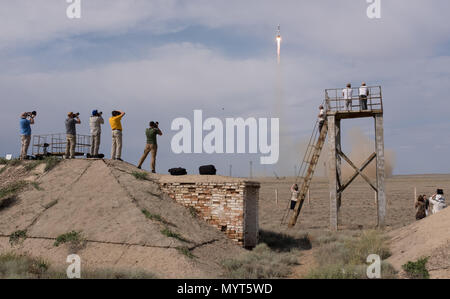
361 148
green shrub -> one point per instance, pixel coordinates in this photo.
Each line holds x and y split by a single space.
139 175
417 269
73 238
15 237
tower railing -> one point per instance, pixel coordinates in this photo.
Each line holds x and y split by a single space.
335 101
55 145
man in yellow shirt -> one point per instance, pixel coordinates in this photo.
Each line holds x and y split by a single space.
116 126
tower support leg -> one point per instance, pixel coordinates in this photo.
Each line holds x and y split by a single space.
379 147
332 173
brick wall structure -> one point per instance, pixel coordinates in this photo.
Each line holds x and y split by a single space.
229 204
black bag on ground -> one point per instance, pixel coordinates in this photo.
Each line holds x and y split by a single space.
207 170
178 171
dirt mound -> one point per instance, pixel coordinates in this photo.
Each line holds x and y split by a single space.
429 237
128 223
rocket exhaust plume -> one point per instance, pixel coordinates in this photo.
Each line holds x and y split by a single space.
278 38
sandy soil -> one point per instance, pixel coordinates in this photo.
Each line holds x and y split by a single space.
104 201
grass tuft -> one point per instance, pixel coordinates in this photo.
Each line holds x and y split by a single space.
75 240
139 175
17 236
50 163
168 233
185 251
417 269
32 165
37 186
12 189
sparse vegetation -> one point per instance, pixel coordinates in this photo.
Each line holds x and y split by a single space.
32 165
168 233
50 163
12 189
3 161
185 251
139 175
37 186
75 240
14 162
13 266
261 263
346 256
17 236
193 212
417 269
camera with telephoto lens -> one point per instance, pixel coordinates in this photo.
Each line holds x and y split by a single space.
76 114
31 114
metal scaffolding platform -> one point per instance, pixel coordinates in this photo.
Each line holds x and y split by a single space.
338 108
55 145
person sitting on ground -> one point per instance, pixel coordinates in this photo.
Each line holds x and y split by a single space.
421 207
152 145
438 201
347 93
294 197
321 117
363 94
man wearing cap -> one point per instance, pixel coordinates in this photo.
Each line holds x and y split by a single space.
152 145
347 93
26 120
71 134
95 122
116 126
438 201
363 94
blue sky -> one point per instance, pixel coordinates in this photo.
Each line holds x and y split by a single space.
159 60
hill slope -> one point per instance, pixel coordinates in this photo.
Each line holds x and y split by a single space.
104 201
429 237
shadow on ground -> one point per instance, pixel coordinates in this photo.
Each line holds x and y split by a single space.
283 242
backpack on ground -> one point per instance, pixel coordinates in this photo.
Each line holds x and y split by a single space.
177 171
207 170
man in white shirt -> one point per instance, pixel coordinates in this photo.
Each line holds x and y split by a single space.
363 94
95 122
321 118
438 201
347 93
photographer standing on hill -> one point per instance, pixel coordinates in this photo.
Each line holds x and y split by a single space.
152 145
71 134
95 122
26 120
116 126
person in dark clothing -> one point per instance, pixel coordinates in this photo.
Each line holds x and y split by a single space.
421 206
152 145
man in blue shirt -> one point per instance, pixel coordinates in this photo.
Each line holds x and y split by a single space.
26 120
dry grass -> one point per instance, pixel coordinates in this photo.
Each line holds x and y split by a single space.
261 263
13 266
344 256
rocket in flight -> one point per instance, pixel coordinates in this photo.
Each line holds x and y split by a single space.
278 38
